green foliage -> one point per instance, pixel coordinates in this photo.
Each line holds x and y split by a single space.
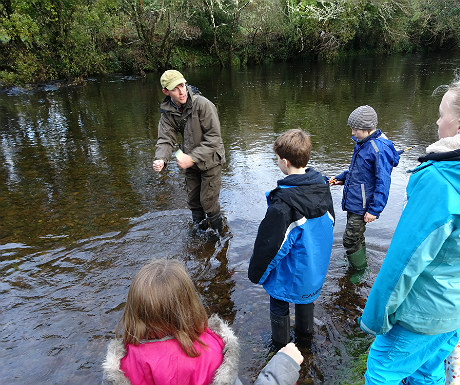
43 40
434 23
25 69
325 27
51 39
19 28
191 57
383 26
264 33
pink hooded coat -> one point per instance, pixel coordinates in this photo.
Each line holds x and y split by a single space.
163 362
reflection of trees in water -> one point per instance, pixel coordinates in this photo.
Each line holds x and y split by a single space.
207 262
77 161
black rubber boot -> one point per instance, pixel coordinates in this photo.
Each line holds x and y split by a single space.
280 329
304 324
304 318
199 219
217 222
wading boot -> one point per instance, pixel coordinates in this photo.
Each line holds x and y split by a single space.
304 324
358 259
199 220
280 329
217 222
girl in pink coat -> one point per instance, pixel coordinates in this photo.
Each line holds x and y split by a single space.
165 337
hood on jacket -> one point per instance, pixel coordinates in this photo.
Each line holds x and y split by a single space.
382 138
315 199
227 373
444 149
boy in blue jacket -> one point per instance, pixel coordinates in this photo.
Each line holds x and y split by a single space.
366 182
294 241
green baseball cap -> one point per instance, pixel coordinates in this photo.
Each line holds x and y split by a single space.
171 79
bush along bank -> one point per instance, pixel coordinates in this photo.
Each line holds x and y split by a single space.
41 41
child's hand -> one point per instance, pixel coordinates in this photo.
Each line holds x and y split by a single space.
369 218
291 350
334 182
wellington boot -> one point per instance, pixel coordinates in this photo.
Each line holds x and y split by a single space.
199 220
358 259
217 222
358 277
304 318
304 324
280 329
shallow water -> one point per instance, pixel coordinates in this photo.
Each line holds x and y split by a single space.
81 209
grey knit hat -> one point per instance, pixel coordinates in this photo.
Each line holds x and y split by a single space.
363 118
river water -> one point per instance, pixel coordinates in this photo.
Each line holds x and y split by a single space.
81 209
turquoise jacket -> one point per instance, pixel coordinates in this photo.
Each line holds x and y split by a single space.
418 285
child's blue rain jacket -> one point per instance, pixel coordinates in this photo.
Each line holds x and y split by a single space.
368 179
294 241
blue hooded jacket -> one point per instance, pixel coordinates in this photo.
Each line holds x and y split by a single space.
294 241
368 179
418 285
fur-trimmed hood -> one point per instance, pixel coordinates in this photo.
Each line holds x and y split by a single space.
444 145
226 374
445 149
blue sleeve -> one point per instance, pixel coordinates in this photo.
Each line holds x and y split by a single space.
383 166
342 176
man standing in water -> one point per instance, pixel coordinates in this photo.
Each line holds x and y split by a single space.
202 153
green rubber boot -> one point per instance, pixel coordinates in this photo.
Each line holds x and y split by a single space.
358 259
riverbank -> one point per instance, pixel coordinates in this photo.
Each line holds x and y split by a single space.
44 41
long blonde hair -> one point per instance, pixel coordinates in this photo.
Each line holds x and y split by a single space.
455 88
163 301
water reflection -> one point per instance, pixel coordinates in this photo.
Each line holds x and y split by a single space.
81 209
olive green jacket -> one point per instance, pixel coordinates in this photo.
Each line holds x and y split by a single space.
198 123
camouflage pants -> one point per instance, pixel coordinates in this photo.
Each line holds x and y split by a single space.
353 237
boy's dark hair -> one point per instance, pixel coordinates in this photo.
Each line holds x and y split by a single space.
295 146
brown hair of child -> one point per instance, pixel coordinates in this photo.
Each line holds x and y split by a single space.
163 301
295 146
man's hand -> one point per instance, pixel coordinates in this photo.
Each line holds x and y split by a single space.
158 165
184 161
